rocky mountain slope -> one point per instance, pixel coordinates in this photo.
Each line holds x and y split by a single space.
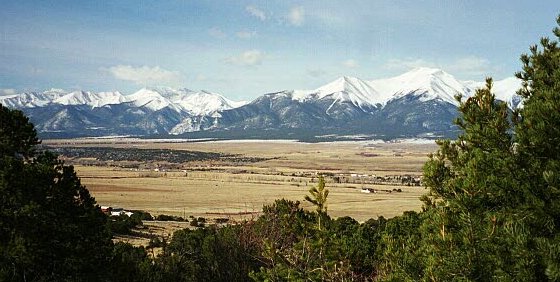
417 103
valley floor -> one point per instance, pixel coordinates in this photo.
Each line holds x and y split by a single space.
215 189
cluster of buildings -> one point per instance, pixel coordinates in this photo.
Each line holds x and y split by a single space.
115 211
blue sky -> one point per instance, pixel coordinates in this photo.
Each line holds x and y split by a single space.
243 49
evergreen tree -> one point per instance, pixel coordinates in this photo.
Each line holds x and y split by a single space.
538 136
17 135
307 248
474 222
50 226
493 207
400 257
318 197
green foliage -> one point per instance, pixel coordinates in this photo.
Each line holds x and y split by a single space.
17 135
142 215
538 137
493 208
130 263
156 242
472 195
399 255
358 244
198 222
206 254
318 196
165 217
123 224
302 245
281 230
50 226
480 207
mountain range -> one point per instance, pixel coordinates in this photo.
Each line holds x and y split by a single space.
419 103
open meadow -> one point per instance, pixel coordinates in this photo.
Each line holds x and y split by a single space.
225 187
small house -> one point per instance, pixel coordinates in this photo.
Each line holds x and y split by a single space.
368 190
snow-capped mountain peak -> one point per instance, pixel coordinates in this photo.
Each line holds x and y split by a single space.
351 89
179 100
55 92
182 100
504 90
204 102
427 83
344 89
90 98
420 101
151 99
345 84
31 99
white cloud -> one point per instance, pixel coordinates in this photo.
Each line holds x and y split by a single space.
247 58
256 12
7 91
351 64
296 16
245 34
216 32
145 75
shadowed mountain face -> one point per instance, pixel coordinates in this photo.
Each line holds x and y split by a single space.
417 103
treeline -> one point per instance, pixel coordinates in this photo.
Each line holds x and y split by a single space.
285 243
126 225
492 212
106 154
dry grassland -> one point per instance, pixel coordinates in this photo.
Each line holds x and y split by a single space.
222 190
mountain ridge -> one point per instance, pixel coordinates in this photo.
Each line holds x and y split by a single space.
416 103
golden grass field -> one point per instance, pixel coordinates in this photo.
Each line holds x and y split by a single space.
222 190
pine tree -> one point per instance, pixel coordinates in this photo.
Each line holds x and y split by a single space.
493 208
50 226
471 208
538 136
17 135
318 197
